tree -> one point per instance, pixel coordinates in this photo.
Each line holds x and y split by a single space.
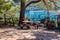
23 7
46 5
4 7
56 4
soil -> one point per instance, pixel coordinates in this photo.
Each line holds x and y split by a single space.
38 34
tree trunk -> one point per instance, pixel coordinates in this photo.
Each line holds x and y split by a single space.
22 11
4 19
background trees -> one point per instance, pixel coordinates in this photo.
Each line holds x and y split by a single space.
8 11
10 8
4 7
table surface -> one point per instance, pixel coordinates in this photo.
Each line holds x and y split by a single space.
27 21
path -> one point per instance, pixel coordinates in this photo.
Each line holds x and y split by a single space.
13 34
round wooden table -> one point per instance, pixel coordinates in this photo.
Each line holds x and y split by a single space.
28 23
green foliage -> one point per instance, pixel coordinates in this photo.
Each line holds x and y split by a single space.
5 6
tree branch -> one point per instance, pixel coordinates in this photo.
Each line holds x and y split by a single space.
35 1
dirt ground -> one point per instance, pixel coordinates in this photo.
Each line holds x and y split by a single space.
38 34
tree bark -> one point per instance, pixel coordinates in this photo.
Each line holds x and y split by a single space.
22 11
